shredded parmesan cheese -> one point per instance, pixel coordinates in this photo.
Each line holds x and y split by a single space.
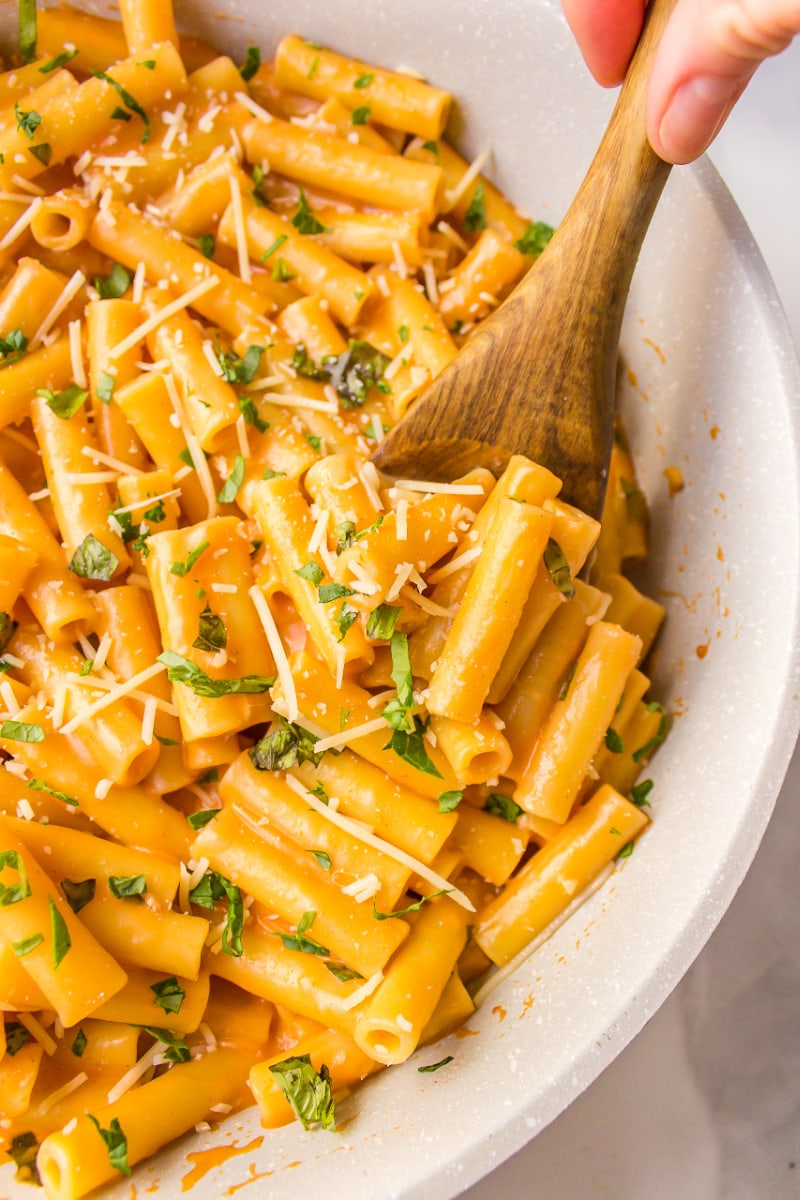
276 646
116 464
61 1094
356 829
37 1031
68 293
361 993
169 310
148 720
243 253
111 697
76 354
453 195
193 446
251 106
20 225
136 1072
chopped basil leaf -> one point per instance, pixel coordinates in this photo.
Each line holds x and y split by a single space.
319 791
213 887
183 568
503 806
401 674
198 820
65 403
239 370
363 81
207 244
286 746
382 621
252 61
121 114
127 887
401 912
410 746
354 372
270 474
17 1036
342 973
165 741
309 1092
535 238
613 741
78 894
247 407
360 116
305 367
345 536
168 993
60 60
23 1150
322 857
150 63
328 592
7 630
450 800
299 941
86 667
27 944
276 245
304 220
93 560
113 286
435 1066
13 893
281 273
433 148
626 851
127 99
402 333
13 346
657 737
211 776
230 488
311 571
19 731
314 441
156 514
177 1047
105 387
558 569
640 792
116 1144
27 122
27 47
475 216
345 617
212 634
79 1044
39 785
62 942
181 670
43 152
314 67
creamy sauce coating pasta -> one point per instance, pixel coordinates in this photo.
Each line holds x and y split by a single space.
296 759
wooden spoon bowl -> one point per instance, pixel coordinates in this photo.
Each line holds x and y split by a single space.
538 376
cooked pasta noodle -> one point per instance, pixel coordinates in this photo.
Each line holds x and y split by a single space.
291 752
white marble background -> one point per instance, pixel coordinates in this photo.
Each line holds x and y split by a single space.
705 1103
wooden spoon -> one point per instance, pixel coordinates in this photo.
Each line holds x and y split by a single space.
538 376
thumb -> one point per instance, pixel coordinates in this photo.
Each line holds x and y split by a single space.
708 53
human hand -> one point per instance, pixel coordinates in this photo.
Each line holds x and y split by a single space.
707 55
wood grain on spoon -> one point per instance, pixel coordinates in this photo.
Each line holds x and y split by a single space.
538 376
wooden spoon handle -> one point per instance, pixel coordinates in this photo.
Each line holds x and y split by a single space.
615 202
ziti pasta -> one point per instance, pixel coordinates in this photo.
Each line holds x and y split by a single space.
294 756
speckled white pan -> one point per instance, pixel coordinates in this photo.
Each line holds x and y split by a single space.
712 387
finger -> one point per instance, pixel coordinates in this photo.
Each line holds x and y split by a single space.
708 54
607 32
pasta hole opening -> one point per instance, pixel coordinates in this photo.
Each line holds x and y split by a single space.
51 1174
484 766
56 231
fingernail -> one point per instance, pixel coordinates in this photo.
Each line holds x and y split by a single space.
696 112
